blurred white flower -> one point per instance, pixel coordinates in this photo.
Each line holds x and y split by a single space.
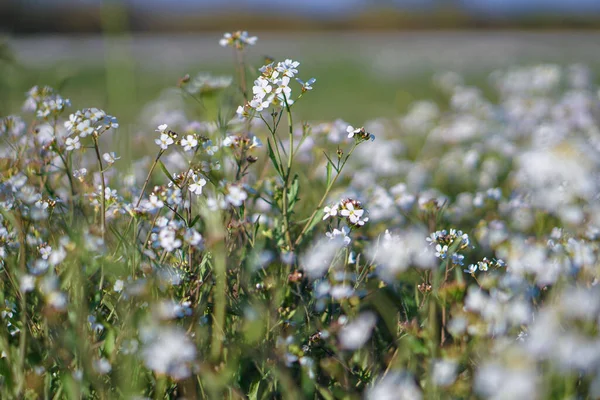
169 351
356 333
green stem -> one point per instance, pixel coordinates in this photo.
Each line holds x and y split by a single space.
103 188
308 224
23 310
285 211
139 200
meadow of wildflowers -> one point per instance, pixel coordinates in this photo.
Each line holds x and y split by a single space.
450 252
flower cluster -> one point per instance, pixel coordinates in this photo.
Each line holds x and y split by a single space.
484 265
45 102
238 40
350 209
204 83
272 87
167 138
211 251
89 121
449 244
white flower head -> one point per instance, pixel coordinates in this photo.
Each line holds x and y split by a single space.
198 182
352 131
330 211
236 195
288 67
355 334
110 158
73 143
189 142
170 352
164 141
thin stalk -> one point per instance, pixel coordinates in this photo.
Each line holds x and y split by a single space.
139 200
323 198
285 211
103 188
23 309
241 67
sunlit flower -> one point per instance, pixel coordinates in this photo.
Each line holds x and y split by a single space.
189 142
73 143
164 141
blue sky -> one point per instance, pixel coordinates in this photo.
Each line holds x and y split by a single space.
324 7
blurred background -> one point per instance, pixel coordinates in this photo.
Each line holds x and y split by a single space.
370 58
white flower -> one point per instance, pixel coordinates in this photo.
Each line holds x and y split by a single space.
74 119
256 143
154 203
162 128
317 260
110 158
353 214
193 238
189 142
168 240
261 88
45 251
80 173
238 39
444 372
258 104
225 40
355 334
95 114
164 141
218 203
228 141
57 256
27 283
170 352
73 143
236 195
108 192
330 211
288 67
241 112
441 251
306 85
118 287
352 131
343 233
394 386
471 269
102 366
85 128
197 185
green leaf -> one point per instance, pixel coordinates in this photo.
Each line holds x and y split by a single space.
329 173
293 192
109 342
253 392
325 393
315 221
194 221
164 169
273 158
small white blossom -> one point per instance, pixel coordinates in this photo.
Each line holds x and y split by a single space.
164 141
197 185
236 195
73 143
189 142
110 158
